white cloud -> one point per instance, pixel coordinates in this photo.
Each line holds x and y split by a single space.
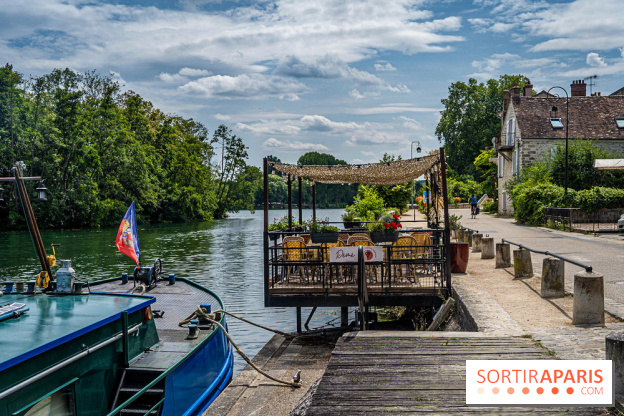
192 72
595 60
365 94
384 67
250 86
172 78
288 146
391 109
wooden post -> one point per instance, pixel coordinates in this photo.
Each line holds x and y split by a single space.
289 203
298 319
300 201
447 222
344 316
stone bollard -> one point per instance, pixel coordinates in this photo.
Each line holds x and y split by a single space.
476 242
553 278
588 306
487 248
469 234
503 255
615 352
460 236
522 264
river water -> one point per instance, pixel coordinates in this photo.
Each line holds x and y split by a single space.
224 255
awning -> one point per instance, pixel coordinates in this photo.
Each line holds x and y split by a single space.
389 173
609 164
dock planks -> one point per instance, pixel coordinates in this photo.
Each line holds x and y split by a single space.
389 373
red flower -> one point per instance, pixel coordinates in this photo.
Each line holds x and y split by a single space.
386 225
399 225
395 216
393 224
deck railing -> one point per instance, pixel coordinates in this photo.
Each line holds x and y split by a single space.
406 266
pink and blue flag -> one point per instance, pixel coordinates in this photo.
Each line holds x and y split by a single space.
127 237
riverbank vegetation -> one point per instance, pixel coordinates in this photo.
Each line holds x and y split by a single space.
98 148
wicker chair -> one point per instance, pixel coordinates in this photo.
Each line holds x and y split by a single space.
328 266
294 250
404 249
359 238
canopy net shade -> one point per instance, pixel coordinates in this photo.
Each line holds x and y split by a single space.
383 173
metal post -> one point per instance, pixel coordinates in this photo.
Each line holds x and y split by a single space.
126 345
314 202
344 316
265 240
289 202
300 201
447 223
298 319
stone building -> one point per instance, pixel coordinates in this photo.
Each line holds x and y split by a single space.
530 129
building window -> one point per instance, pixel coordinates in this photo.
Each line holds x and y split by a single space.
619 121
511 132
556 123
514 163
501 166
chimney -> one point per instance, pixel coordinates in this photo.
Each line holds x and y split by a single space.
578 88
515 90
528 89
505 100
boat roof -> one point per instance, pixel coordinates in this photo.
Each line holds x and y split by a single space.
53 320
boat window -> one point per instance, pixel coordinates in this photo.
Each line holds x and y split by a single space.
60 403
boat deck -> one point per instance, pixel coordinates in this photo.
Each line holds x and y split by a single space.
54 319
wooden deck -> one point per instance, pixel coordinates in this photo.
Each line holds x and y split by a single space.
416 373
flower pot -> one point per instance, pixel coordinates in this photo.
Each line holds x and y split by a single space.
320 238
352 224
459 257
384 237
274 235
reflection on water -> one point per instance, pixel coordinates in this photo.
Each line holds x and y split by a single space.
225 256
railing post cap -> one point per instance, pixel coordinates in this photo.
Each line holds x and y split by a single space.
616 336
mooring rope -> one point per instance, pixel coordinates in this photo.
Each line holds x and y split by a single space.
205 317
135 288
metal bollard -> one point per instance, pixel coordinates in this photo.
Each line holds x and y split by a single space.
124 278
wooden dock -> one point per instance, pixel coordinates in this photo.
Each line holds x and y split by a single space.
413 373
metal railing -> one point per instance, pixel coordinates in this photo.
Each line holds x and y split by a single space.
587 268
306 266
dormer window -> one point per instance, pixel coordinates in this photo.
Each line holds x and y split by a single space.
619 121
556 123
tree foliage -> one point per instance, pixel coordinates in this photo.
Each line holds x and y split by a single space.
470 120
99 148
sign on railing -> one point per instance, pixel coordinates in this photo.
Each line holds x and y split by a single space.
350 254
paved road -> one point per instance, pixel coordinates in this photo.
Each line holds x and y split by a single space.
604 253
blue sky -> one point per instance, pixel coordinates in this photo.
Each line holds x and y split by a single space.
351 78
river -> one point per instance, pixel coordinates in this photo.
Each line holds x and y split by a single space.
223 255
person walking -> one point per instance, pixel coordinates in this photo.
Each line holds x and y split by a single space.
474 210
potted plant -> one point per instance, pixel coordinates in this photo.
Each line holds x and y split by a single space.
459 251
277 227
456 201
350 221
385 231
322 232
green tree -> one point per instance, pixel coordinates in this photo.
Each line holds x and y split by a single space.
327 195
233 155
487 170
470 120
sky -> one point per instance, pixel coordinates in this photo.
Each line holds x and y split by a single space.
355 79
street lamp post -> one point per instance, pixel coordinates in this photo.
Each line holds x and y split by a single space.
557 125
418 149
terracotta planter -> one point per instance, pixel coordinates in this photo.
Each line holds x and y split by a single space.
459 257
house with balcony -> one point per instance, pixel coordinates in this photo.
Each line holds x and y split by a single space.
532 125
